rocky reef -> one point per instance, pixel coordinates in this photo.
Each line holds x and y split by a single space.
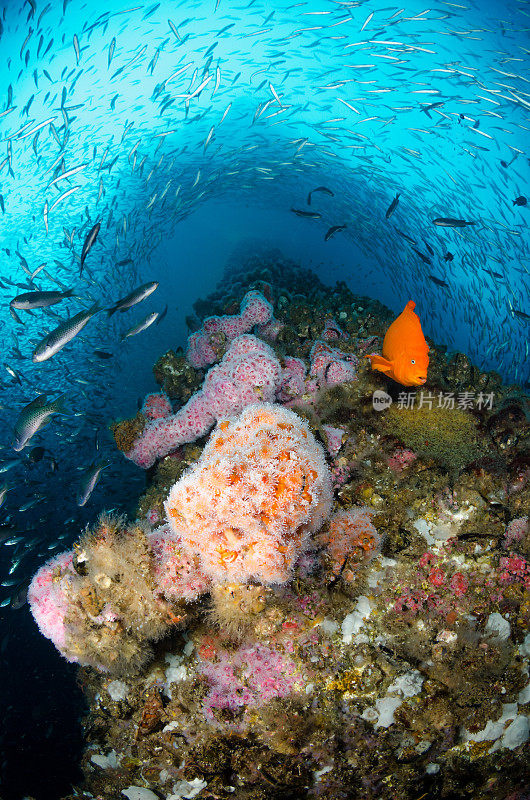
362 632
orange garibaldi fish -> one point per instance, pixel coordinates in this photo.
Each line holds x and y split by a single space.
405 352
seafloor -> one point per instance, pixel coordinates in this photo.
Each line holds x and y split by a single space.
394 666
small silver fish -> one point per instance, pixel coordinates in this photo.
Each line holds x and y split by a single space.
3 491
134 297
30 300
89 241
89 482
64 333
5 466
141 326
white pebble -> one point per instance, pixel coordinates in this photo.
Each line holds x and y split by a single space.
187 790
117 690
139 793
498 626
516 733
353 622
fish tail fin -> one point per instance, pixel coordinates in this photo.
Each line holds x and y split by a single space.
111 310
58 405
68 293
380 364
94 309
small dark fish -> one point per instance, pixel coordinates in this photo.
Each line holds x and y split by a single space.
19 597
124 262
448 256
392 207
449 222
494 274
162 314
408 238
310 214
520 201
89 241
319 189
429 248
102 354
437 281
36 454
424 258
521 314
431 107
507 164
333 230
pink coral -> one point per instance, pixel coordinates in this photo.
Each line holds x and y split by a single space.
437 576
157 405
48 599
293 378
400 459
459 584
332 330
206 345
247 678
515 532
248 372
248 506
331 366
177 575
335 438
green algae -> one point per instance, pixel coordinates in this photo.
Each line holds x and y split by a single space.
449 437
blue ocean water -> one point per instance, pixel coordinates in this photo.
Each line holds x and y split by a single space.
185 129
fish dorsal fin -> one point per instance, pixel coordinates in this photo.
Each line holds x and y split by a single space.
38 402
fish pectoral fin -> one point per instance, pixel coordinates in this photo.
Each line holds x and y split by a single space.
381 364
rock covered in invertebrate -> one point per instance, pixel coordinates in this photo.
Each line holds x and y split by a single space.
249 504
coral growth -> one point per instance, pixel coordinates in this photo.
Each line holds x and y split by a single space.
246 679
156 405
100 605
351 540
207 345
236 606
331 366
48 599
259 489
127 431
177 575
176 377
248 372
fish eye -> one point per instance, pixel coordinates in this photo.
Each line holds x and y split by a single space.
412 361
